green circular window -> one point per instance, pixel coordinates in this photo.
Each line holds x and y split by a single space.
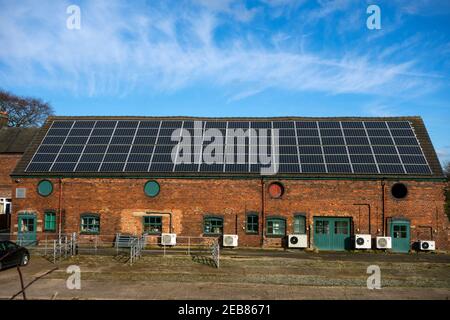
45 188
151 188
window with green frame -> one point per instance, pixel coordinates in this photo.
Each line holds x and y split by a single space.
90 223
341 227
213 225
252 223
152 224
50 221
299 224
276 227
322 227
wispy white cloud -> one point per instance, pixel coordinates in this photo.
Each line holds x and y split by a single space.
444 154
424 7
121 48
327 8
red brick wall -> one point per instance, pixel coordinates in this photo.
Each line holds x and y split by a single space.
122 202
7 164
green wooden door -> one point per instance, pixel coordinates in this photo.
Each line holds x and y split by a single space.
332 233
27 230
400 233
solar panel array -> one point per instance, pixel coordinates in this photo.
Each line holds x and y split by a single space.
133 146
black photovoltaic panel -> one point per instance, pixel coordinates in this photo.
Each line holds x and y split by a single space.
358 147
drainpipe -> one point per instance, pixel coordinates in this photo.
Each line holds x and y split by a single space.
369 208
262 211
383 184
59 208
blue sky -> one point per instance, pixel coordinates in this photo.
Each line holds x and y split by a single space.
233 58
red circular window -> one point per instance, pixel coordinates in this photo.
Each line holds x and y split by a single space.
276 190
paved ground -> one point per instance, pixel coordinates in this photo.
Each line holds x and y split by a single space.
243 274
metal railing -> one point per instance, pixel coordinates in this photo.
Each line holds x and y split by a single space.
128 246
215 253
64 246
136 248
49 245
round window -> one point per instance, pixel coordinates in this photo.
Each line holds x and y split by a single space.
151 188
276 190
399 191
45 188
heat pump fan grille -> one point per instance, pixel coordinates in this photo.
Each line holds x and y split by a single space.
167 238
229 241
382 242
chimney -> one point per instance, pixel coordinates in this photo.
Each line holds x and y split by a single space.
3 119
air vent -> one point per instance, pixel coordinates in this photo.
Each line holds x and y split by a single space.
21 193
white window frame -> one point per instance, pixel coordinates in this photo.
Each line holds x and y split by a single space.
4 202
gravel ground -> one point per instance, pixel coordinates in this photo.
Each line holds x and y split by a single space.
240 276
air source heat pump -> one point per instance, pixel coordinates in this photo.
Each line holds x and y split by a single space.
384 243
427 245
168 239
297 241
230 240
363 241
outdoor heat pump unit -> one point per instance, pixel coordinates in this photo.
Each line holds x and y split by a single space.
297 241
363 241
427 245
168 239
384 242
230 240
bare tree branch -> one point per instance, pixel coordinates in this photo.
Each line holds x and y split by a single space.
447 169
24 111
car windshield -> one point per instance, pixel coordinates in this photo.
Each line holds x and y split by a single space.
2 246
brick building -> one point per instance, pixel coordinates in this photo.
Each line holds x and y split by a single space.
337 177
13 143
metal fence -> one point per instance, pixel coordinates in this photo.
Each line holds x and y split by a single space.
51 246
126 246
215 253
64 246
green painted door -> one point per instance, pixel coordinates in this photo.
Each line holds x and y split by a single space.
332 233
400 233
27 230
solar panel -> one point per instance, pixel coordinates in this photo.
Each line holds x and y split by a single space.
314 168
359 147
136 167
88 166
84 124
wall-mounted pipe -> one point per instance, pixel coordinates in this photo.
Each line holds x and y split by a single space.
383 220
156 213
262 211
369 213
430 228
60 207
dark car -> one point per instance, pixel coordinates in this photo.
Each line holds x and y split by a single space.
12 255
